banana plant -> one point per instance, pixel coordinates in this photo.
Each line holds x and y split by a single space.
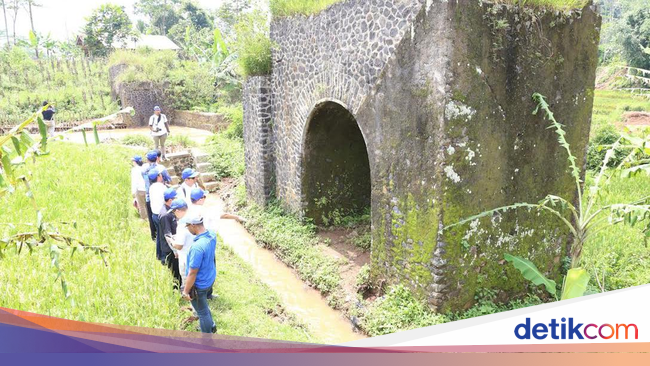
575 282
584 218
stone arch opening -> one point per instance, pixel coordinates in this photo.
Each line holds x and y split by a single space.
336 170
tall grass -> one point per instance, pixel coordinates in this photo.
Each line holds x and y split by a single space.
91 186
283 8
253 45
555 4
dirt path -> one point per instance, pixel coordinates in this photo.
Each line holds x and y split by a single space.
197 135
306 303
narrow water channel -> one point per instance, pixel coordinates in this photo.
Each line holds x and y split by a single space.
327 325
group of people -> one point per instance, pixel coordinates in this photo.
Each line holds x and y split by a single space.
183 231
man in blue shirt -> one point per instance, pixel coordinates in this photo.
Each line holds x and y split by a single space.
201 271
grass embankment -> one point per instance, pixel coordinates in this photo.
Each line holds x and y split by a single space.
90 185
610 105
284 8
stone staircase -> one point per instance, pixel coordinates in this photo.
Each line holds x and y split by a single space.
195 159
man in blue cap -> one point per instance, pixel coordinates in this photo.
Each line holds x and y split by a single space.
189 183
201 271
168 225
152 158
138 187
210 218
159 126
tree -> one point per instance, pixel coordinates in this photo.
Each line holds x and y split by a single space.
15 7
108 24
4 12
162 14
32 4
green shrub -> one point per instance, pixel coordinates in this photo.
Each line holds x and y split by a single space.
398 310
192 86
144 64
253 45
226 156
363 241
295 243
136 140
181 140
363 281
283 8
235 115
606 135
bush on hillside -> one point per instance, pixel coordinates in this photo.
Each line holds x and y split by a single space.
253 44
598 147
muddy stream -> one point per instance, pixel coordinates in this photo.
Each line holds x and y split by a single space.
325 324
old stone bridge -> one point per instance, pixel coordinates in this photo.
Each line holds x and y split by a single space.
422 111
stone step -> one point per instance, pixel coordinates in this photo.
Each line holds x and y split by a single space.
211 186
201 158
171 171
176 180
208 177
204 167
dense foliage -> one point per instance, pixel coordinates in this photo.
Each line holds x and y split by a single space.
77 87
253 44
107 25
625 33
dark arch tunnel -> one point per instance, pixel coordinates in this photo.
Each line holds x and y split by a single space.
336 174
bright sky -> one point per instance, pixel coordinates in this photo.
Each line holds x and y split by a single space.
64 18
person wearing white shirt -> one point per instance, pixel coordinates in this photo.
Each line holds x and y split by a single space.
189 182
157 201
138 187
159 126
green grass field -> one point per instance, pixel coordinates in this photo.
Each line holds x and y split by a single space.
620 252
609 106
90 185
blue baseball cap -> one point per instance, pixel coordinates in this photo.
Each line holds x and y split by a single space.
178 204
194 218
153 174
137 159
170 193
152 156
190 173
156 108
197 194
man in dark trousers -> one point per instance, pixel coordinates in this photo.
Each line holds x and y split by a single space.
48 118
168 224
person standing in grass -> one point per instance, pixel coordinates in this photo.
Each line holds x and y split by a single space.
168 227
210 218
48 118
152 163
157 201
201 271
189 182
138 187
159 126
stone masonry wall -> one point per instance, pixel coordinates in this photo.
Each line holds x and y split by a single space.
258 139
337 55
208 121
143 97
441 92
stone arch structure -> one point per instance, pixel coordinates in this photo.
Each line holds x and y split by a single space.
335 168
442 92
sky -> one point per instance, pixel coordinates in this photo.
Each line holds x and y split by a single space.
65 18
